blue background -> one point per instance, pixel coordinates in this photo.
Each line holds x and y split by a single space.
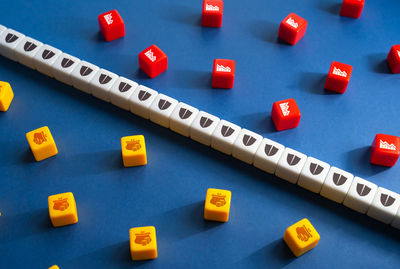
169 192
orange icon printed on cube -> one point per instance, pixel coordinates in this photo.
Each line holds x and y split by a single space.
39 138
42 143
217 205
60 204
301 237
303 233
6 96
62 209
133 150
143 238
143 243
218 200
133 145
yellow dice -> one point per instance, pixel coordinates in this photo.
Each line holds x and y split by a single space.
217 205
133 150
6 95
301 237
42 143
54 267
143 243
62 209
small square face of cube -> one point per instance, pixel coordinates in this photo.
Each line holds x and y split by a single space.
121 91
292 28
64 66
101 84
9 40
393 59
45 58
337 184
153 61
301 237
290 165
141 100
143 243
224 136
352 8
313 175
338 77
213 11
182 118
203 127
82 75
285 114
26 50
267 156
133 150
223 74
161 109
217 205
41 143
385 205
111 25
246 145
360 195
6 95
385 150
62 209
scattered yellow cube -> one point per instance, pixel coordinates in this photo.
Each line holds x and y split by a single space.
301 237
217 205
6 95
62 209
42 143
143 243
54 267
133 150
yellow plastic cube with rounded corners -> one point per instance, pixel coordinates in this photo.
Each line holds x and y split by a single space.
6 95
301 237
143 243
42 143
62 209
54 267
133 150
217 205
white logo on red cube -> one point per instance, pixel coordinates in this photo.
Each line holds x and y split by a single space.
285 108
221 68
211 8
150 54
338 72
386 145
108 18
292 22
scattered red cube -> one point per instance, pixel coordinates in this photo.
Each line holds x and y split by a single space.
338 77
385 150
292 29
285 114
212 13
393 59
153 61
223 74
111 25
352 8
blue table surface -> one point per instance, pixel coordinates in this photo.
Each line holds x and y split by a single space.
169 192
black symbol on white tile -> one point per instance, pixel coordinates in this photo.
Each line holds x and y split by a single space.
205 122
124 87
85 70
387 200
66 62
362 189
316 169
104 79
292 159
270 150
143 95
47 54
10 38
227 131
163 104
29 46
248 140
184 113
339 179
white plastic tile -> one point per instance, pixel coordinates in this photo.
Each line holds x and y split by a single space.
268 154
290 165
64 66
396 220
224 136
182 118
337 184
101 84
360 195
2 28
26 51
313 174
203 127
161 109
9 40
121 91
141 100
385 206
45 58
246 145
82 74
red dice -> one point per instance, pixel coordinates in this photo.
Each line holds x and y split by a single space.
393 59
111 25
385 150
223 74
352 8
285 114
338 77
153 61
212 13
292 29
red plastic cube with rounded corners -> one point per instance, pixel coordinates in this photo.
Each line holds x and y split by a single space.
285 114
393 59
111 25
213 11
338 77
352 8
223 74
153 61
385 150
292 29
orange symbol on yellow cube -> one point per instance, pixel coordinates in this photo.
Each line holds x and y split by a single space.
218 200
303 233
60 204
133 145
39 138
143 238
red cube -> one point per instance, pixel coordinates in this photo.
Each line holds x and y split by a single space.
212 13
111 25
338 77
385 150
292 28
153 61
393 59
223 74
285 114
352 8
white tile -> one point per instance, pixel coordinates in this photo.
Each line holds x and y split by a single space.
26 51
161 109
313 174
396 220
182 118
2 28
224 136
82 74
290 165
246 145
64 66
385 205
9 40
203 127
360 195
45 58
101 84
268 154
121 91
141 100
337 184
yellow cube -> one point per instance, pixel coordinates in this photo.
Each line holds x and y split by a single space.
54 267
133 150
301 237
62 209
42 143
143 243
217 205
6 95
